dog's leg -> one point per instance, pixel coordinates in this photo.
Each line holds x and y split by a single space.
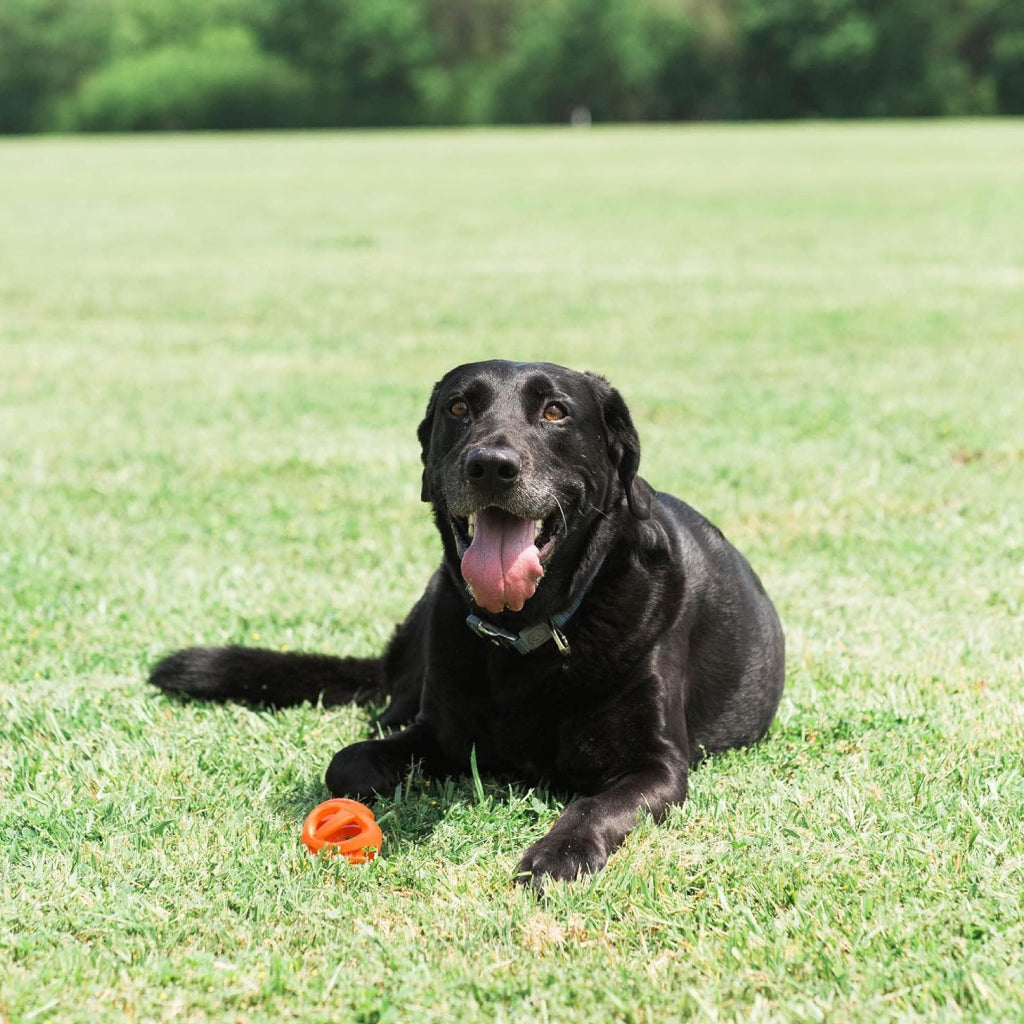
402 663
591 828
375 767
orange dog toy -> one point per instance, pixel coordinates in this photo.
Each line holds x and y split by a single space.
343 826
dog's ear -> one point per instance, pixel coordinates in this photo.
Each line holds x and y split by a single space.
623 447
423 432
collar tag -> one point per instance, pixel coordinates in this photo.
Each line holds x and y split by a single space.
561 641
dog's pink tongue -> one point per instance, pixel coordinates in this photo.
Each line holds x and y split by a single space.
502 565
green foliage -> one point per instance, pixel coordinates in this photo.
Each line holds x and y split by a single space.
700 67
618 59
471 61
141 25
222 82
46 46
1008 71
998 38
150 64
362 58
471 40
566 54
844 58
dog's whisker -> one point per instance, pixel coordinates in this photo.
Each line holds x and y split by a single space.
565 522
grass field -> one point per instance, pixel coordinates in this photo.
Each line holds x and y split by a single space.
213 355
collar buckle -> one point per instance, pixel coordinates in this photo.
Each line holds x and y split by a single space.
489 631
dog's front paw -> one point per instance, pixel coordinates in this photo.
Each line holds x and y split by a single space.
560 858
359 771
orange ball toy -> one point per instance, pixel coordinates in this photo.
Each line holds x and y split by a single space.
344 827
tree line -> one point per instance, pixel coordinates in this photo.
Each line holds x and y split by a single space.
121 65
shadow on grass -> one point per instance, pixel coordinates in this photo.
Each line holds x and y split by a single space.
411 815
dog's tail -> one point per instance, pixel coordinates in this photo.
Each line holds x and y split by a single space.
274 678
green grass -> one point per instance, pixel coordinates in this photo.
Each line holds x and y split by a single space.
213 355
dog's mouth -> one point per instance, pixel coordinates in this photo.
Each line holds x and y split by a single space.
503 555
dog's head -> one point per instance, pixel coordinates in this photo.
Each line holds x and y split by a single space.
520 461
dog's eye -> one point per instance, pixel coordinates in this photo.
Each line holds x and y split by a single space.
554 411
459 409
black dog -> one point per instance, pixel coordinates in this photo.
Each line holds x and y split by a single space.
582 628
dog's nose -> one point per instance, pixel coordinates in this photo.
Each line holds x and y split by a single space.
493 468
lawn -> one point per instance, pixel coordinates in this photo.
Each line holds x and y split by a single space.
214 352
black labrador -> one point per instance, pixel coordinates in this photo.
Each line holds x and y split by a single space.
582 629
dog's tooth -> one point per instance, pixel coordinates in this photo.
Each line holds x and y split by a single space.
538 525
471 524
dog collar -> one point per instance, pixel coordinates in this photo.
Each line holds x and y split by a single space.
527 640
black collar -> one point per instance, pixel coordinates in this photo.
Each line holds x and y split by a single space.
527 640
